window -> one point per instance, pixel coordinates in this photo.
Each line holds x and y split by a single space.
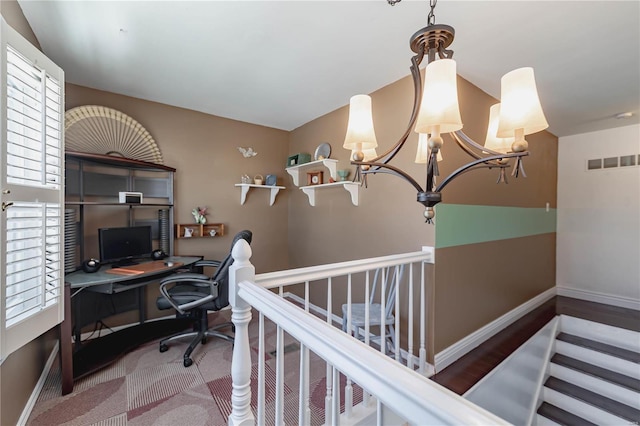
31 180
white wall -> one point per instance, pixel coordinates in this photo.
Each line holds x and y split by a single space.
598 233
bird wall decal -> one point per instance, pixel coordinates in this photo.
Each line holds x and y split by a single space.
247 152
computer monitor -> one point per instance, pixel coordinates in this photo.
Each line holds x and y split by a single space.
122 246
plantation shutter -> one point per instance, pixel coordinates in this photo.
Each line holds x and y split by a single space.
31 180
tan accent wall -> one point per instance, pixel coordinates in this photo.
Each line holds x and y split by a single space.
12 14
388 219
204 150
477 283
20 373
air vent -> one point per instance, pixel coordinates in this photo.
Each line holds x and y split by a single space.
613 162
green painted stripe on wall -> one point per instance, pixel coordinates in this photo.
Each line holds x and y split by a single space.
460 224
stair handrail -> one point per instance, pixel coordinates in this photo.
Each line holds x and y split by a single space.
417 398
542 375
318 272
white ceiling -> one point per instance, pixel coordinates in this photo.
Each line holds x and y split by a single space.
284 63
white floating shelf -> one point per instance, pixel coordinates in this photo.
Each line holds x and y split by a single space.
329 163
246 186
352 188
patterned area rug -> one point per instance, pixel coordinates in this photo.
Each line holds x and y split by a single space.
147 387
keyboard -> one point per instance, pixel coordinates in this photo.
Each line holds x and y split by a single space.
142 268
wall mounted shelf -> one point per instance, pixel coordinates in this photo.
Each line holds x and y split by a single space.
247 186
352 187
329 163
200 230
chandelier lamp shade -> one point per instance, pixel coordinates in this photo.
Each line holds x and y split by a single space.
492 141
360 133
436 111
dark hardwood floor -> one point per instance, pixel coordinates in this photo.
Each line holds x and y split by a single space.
464 373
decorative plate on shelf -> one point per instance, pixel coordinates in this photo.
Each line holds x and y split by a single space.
322 151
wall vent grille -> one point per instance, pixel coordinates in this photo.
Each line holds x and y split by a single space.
613 162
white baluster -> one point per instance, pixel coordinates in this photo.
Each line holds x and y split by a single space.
329 303
304 407
366 395
328 397
241 270
304 410
348 389
279 405
396 308
261 371
410 321
423 350
329 377
383 307
335 409
348 329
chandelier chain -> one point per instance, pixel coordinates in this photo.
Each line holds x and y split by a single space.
431 19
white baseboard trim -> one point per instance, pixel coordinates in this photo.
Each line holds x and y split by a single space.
26 412
593 296
454 352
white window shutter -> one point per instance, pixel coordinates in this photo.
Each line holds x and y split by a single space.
31 180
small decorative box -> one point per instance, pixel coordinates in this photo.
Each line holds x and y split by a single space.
297 159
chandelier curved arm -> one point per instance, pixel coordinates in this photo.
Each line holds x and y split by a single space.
391 170
464 141
483 162
417 97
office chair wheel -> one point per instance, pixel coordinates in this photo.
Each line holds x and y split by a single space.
164 348
187 362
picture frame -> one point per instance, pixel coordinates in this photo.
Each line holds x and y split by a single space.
315 178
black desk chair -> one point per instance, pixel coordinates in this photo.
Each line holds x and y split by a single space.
193 295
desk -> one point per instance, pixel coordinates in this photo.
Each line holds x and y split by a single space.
105 283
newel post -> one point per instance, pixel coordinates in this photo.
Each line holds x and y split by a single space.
241 270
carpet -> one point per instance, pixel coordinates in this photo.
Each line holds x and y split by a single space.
146 387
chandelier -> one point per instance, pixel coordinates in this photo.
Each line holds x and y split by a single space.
436 111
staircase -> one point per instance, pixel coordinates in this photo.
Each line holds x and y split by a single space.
594 376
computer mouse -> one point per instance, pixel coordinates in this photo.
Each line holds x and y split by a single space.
169 264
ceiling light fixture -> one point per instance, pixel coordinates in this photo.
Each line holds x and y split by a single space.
436 111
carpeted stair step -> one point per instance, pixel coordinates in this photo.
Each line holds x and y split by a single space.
588 398
624 354
562 417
